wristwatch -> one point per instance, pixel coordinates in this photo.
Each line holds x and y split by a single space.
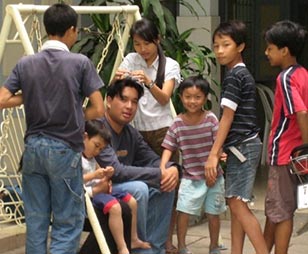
150 85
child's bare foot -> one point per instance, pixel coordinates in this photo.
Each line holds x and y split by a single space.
124 250
138 244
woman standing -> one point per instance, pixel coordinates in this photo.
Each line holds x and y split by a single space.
160 75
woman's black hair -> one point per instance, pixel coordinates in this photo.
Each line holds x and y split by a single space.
195 81
149 32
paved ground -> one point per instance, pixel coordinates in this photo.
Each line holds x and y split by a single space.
198 237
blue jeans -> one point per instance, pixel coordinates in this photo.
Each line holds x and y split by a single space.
52 187
240 176
153 214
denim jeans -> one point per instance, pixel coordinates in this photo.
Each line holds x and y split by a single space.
153 214
240 176
52 191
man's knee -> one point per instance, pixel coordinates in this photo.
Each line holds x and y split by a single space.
140 191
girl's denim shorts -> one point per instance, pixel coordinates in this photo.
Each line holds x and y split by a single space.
240 176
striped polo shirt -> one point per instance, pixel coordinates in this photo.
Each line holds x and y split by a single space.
194 143
239 94
291 96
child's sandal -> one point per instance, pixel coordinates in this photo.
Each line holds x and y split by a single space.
172 250
185 251
215 251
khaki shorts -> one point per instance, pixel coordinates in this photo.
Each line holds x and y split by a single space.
280 200
155 139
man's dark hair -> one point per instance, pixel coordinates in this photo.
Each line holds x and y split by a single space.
58 18
288 34
95 127
236 29
117 87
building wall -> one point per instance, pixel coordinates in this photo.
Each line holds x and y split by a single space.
14 51
208 20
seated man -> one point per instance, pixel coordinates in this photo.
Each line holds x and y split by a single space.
137 166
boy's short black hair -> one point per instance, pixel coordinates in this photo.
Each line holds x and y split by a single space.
95 127
116 88
196 81
236 29
288 34
58 18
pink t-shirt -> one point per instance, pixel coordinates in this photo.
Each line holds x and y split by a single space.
194 142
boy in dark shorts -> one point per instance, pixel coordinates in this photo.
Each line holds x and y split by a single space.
285 41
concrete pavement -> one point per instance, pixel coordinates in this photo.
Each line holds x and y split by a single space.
198 236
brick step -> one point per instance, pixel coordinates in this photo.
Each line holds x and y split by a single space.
12 237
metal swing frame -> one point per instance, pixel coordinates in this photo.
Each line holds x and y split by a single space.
12 125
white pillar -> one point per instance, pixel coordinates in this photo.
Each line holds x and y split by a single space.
208 20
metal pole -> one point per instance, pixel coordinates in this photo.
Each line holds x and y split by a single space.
14 12
4 33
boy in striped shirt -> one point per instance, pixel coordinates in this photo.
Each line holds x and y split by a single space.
193 133
237 135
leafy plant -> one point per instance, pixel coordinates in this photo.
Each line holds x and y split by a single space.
193 59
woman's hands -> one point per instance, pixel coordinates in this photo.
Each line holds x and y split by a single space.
141 77
138 75
162 95
121 74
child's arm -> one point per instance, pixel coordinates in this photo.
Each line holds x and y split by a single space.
15 100
222 133
104 186
169 178
99 173
8 100
96 108
109 171
88 176
166 155
302 120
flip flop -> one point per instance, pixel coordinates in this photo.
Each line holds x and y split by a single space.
172 250
222 247
186 251
215 251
